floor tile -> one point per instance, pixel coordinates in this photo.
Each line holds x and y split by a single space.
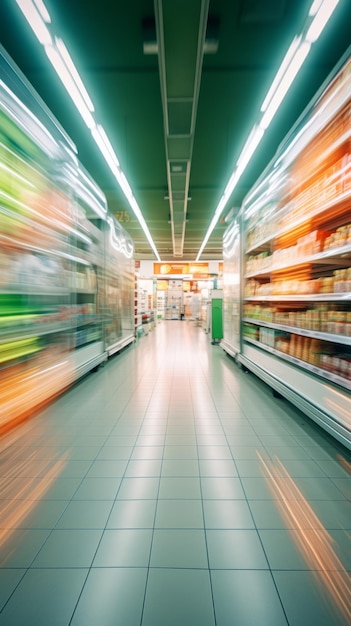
287 452
150 440
120 441
308 598
248 452
138 489
180 452
221 467
310 549
344 486
147 452
270 514
143 468
180 440
132 514
85 514
227 514
246 598
214 452
97 489
39 514
111 596
177 597
335 468
115 453
44 596
107 469
179 488
68 548
179 548
177 467
221 488
318 489
244 440
124 548
235 549
333 514
212 440
179 514
9 579
60 488
20 546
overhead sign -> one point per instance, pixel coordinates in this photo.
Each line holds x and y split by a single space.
167 269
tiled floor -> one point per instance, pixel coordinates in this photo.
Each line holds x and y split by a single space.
172 489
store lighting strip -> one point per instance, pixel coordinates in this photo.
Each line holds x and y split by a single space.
39 20
318 16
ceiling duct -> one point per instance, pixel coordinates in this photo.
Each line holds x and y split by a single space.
181 35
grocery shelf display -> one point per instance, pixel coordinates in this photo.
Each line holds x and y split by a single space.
54 274
119 283
296 263
231 289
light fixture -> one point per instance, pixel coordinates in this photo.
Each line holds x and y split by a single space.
321 17
320 12
38 18
284 65
286 81
73 72
59 65
106 149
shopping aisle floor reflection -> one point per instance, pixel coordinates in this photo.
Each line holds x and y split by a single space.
172 489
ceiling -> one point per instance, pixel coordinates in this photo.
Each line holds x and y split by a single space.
177 119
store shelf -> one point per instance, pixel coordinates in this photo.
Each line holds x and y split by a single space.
23 333
323 373
314 334
315 297
321 258
321 209
296 263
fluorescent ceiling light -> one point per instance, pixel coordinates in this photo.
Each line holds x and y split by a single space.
57 61
74 73
285 64
288 78
320 11
107 143
37 16
315 7
324 13
105 148
35 21
43 11
250 146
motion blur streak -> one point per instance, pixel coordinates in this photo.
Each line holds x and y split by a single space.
313 540
30 479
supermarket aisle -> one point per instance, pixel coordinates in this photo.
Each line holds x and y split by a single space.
172 489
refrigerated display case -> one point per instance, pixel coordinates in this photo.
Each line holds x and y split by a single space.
296 222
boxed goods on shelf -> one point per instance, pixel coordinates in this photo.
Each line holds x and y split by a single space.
296 263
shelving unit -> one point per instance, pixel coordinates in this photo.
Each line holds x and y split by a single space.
231 289
65 265
119 283
296 264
